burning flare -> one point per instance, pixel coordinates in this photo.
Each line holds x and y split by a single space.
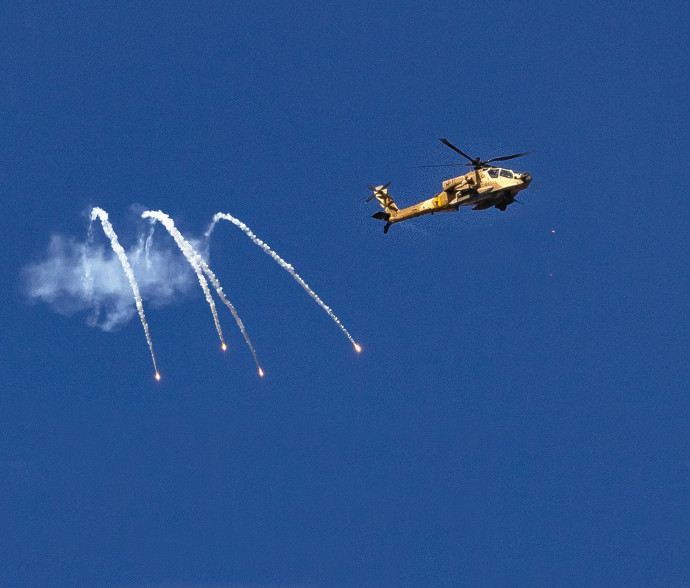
201 267
203 272
102 215
282 263
192 257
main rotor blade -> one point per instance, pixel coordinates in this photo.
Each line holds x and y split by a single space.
507 157
447 143
443 165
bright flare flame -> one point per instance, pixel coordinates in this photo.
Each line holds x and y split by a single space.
281 262
261 372
122 256
358 348
192 257
224 346
158 376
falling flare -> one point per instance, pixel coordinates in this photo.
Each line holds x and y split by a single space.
192 257
102 215
221 295
201 269
280 261
199 265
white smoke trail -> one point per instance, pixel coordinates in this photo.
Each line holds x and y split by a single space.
87 278
284 264
193 258
102 215
190 253
238 320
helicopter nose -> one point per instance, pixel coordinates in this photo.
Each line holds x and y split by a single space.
527 177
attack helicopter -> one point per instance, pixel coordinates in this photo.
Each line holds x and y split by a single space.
482 188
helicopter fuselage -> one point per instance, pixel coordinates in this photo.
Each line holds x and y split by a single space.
480 189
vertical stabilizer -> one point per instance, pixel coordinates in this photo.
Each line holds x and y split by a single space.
385 200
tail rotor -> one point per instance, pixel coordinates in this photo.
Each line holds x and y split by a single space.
378 192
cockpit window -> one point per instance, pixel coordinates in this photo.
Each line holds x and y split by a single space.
506 174
493 173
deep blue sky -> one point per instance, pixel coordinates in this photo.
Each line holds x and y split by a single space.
519 414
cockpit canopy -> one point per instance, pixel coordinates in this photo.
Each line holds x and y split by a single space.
494 172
